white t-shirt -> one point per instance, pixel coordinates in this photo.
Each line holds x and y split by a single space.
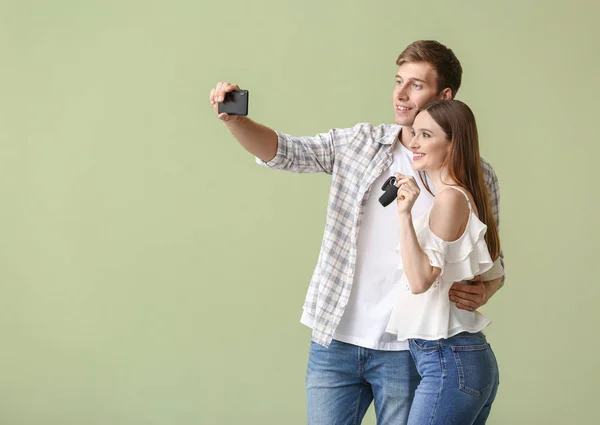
377 277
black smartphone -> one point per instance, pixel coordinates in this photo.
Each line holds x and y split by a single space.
235 103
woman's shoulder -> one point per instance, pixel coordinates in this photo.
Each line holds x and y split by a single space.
452 199
449 213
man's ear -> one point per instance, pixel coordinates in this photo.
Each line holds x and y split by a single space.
446 94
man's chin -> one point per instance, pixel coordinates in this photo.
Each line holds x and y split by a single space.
404 121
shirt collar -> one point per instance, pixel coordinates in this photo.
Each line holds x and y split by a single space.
391 135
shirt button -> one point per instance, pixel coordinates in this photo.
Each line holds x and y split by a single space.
350 271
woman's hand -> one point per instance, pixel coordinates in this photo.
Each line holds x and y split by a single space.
408 192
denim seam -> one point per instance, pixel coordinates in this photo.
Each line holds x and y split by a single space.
359 362
443 380
357 407
480 347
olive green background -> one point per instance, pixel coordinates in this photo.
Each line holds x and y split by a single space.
151 273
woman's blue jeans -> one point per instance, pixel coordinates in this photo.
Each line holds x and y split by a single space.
459 380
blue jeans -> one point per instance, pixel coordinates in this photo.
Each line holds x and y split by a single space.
343 380
459 380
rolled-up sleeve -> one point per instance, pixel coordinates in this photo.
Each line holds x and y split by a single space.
493 188
306 154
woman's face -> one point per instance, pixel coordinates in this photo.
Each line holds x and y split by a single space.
430 145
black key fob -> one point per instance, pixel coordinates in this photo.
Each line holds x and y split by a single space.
391 192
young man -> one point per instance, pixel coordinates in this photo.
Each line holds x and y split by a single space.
352 360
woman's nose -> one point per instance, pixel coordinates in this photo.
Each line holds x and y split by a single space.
413 144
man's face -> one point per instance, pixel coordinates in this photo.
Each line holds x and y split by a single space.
415 87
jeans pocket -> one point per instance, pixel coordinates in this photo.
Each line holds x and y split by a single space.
424 345
475 365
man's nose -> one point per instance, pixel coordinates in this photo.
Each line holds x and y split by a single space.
402 93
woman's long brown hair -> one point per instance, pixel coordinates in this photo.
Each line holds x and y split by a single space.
463 161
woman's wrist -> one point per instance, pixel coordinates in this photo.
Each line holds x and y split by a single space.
405 217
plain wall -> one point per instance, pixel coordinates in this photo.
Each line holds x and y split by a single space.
152 273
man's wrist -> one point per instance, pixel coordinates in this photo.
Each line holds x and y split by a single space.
491 287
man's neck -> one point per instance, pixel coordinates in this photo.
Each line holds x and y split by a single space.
405 136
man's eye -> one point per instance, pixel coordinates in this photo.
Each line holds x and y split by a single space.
398 82
417 86
425 135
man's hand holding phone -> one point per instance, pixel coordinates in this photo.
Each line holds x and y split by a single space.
229 101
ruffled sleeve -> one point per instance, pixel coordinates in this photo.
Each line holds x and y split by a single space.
435 253
461 259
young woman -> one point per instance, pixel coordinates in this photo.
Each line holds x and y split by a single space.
454 241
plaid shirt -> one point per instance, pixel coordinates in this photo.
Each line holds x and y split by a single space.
354 157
